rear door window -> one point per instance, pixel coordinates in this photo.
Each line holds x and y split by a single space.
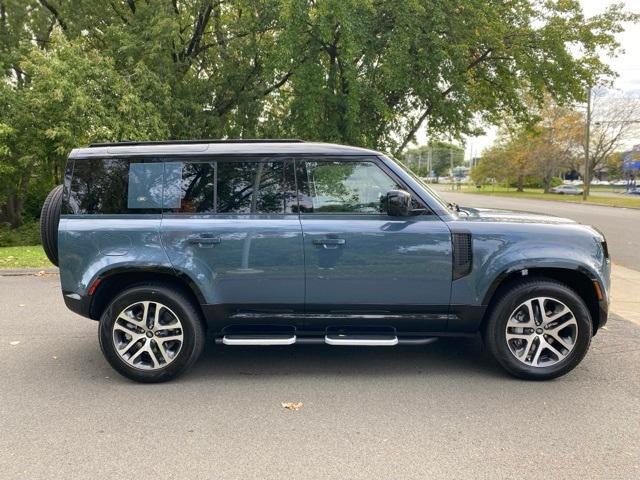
232 187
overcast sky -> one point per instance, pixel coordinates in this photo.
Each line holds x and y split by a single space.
627 64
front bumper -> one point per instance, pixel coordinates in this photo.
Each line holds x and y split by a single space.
603 314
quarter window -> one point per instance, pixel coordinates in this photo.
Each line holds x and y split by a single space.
115 186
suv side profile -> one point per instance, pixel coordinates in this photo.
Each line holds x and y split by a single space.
281 242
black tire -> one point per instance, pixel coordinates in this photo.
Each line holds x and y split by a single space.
516 294
184 308
49 221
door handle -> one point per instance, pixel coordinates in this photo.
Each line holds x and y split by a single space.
204 240
329 242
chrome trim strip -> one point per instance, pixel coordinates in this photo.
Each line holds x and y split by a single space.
259 341
346 341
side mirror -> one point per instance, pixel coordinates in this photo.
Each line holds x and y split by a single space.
398 203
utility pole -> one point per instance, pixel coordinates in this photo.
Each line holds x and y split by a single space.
587 134
451 165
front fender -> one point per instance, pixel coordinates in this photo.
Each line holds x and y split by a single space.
502 250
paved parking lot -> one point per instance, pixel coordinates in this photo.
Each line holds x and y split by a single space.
442 411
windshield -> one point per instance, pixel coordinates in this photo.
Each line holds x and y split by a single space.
424 185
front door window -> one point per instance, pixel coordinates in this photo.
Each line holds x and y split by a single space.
346 187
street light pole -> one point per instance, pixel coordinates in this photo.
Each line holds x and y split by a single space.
451 165
587 133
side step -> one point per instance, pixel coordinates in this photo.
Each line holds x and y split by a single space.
388 340
336 339
239 339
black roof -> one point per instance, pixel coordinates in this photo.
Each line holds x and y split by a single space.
188 142
218 147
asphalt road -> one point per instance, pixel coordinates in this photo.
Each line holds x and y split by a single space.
621 226
442 411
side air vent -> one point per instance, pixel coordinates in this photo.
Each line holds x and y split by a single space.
462 254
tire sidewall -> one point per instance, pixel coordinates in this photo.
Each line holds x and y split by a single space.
496 332
192 333
49 223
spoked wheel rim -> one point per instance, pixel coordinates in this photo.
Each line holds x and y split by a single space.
148 335
541 332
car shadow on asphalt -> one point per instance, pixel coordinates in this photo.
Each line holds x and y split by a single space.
453 357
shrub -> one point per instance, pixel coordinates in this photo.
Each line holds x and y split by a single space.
26 234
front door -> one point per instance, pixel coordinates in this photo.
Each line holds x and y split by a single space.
362 264
232 227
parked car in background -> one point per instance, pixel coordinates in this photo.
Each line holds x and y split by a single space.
283 242
567 190
633 191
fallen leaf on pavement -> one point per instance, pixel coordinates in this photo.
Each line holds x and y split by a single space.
14 343
43 273
21 305
292 405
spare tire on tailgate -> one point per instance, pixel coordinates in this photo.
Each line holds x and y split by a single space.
49 220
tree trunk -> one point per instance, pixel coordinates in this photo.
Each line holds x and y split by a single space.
547 183
14 210
520 184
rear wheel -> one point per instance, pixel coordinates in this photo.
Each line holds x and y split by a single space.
151 333
49 221
539 329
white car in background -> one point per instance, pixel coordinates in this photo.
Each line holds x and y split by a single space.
567 190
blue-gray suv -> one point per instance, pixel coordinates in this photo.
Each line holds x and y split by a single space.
280 242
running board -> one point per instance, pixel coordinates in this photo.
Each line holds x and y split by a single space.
330 339
361 340
259 339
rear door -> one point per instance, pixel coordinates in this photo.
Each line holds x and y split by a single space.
363 265
230 225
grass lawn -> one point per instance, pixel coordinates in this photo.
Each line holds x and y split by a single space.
32 256
537 194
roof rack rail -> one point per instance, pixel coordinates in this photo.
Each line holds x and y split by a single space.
187 142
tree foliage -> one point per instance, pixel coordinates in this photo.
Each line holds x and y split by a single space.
353 71
556 143
614 122
442 156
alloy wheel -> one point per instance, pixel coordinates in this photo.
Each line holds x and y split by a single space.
541 332
148 335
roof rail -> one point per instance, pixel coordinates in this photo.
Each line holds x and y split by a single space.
187 142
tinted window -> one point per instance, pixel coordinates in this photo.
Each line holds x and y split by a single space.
198 185
346 187
237 187
115 185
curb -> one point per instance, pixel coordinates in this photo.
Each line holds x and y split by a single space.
25 272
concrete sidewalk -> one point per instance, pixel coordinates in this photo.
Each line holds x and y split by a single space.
625 293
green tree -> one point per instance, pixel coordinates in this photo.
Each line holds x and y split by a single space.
353 71
443 155
69 97
508 161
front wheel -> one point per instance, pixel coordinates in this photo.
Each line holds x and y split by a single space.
539 329
151 333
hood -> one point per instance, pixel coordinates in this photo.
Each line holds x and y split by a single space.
509 216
